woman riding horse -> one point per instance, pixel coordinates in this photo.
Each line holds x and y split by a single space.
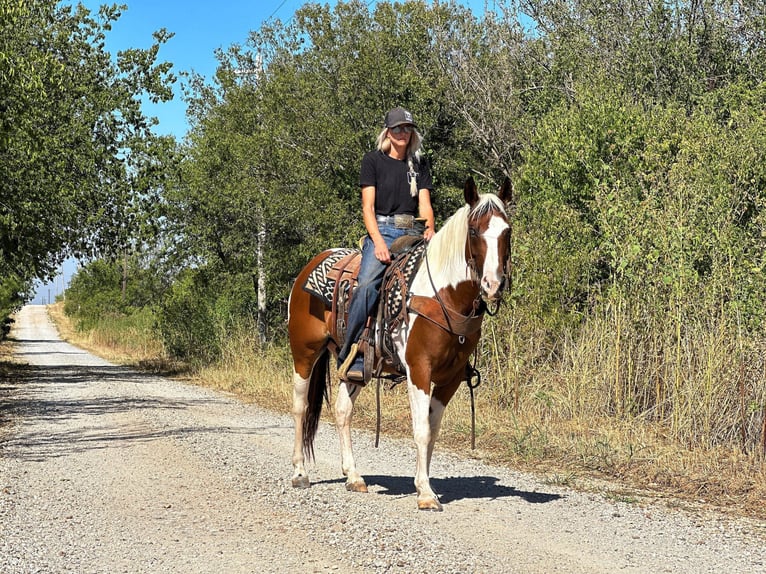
464 265
395 182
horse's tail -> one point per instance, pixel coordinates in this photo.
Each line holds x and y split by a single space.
317 395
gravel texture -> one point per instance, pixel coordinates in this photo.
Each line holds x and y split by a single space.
105 470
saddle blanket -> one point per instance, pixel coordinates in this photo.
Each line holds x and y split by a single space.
397 281
320 282
394 290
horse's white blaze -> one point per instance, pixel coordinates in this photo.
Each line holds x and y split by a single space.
492 274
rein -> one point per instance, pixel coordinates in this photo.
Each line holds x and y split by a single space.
471 372
468 323
497 308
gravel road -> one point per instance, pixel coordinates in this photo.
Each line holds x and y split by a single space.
105 470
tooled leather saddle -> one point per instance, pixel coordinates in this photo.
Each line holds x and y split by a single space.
334 282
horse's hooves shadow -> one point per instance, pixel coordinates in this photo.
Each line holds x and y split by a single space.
339 480
459 488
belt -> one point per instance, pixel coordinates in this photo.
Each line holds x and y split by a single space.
400 220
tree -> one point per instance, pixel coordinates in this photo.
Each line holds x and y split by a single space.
74 144
271 176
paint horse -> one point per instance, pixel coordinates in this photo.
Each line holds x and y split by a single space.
464 267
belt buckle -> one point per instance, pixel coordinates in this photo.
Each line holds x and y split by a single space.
404 221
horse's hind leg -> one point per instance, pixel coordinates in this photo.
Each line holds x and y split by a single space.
344 410
300 478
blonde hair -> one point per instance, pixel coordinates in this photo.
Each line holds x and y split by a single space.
412 153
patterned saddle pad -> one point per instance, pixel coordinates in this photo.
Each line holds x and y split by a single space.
400 275
321 281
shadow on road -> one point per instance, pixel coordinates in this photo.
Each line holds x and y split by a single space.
25 396
454 488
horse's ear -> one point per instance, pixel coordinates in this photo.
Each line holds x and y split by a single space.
506 191
469 192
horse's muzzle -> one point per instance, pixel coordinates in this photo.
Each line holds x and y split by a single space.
492 289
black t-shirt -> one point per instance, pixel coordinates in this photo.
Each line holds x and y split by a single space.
391 181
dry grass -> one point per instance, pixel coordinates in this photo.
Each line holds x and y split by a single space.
119 343
580 450
85 340
6 351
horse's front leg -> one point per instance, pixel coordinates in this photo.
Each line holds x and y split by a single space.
440 398
344 410
427 412
423 418
300 478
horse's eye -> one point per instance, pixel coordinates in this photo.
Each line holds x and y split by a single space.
473 232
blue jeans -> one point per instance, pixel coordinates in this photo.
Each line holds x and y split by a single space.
370 278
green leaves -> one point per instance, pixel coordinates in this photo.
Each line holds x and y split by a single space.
272 169
72 135
591 109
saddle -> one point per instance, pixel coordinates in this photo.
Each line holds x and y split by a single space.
335 281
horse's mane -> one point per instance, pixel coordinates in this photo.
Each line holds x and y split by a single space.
446 250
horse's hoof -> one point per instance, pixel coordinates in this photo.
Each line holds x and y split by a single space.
358 486
301 481
430 504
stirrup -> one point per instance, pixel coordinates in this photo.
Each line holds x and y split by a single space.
355 375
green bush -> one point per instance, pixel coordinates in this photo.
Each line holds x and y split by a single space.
94 292
199 311
13 293
105 288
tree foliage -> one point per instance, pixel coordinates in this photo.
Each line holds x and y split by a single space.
78 161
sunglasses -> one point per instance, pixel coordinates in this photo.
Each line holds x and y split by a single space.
405 129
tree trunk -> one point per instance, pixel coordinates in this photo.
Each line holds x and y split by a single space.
261 285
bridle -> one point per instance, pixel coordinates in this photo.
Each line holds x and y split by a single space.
480 306
472 267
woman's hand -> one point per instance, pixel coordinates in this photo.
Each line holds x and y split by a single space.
381 252
426 212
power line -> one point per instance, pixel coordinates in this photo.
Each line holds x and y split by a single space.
277 10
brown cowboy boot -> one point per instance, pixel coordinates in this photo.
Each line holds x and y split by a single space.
348 371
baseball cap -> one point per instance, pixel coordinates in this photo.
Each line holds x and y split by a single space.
397 117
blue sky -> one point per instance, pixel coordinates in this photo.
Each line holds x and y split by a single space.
200 27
